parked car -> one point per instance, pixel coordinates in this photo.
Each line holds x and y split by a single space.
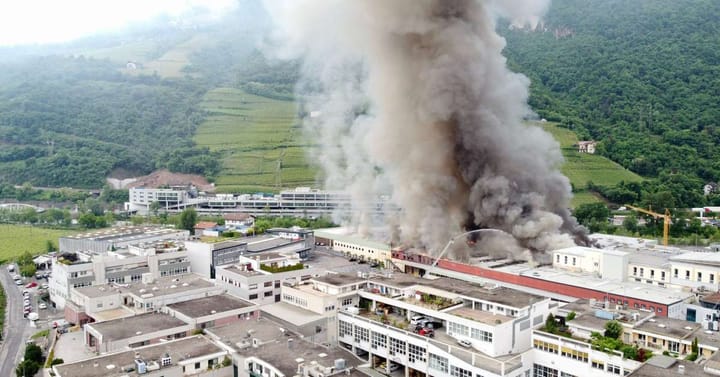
394 366
465 343
18 282
415 320
44 286
32 284
425 331
11 268
42 306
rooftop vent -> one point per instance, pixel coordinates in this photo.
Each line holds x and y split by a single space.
661 325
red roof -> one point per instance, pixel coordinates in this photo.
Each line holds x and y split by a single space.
205 225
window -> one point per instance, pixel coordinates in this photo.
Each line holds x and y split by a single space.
545 346
268 294
614 369
675 273
459 372
699 276
662 275
634 271
543 371
135 277
673 346
652 274
687 274
438 363
557 258
642 272
362 334
397 347
277 283
574 261
416 353
378 340
566 259
345 328
268 284
253 296
598 365
252 286
563 374
347 301
481 335
712 278
573 354
458 329
197 365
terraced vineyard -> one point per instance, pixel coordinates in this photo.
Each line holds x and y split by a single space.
582 168
262 145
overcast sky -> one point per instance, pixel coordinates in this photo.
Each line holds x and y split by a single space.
47 21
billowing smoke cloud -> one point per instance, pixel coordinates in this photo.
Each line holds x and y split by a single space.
413 98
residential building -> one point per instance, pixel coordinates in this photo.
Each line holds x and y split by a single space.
136 331
116 238
206 255
265 348
192 356
586 146
122 266
112 301
259 277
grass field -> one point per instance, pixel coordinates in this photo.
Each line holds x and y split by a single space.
582 168
261 144
16 239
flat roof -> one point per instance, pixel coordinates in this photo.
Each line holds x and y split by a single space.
492 293
281 348
582 251
162 286
291 313
111 365
339 279
345 235
264 243
663 326
129 327
124 233
640 291
699 257
481 316
660 366
205 306
650 258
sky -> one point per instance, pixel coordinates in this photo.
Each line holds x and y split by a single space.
50 21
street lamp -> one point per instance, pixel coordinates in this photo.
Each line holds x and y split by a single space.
452 240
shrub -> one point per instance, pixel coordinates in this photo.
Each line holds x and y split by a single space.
570 316
613 329
273 269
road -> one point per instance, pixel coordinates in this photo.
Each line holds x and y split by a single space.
16 326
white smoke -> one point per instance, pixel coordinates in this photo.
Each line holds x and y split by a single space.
416 101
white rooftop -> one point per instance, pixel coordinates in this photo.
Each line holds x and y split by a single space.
582 251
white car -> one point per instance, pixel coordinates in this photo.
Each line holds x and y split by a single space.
18 282
416 319
42 306
44 286
465 343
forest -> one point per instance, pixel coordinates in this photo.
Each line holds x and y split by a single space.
642 78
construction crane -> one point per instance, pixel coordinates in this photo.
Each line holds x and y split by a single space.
666 219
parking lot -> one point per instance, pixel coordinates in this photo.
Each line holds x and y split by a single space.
35 294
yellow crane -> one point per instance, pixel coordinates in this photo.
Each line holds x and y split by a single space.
666 219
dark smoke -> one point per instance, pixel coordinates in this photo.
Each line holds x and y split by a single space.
414 98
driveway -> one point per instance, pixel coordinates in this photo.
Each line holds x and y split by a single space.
16 329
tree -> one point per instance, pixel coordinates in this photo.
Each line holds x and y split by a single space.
25 258
188 219
154 207
33 352
630 224
50 246
592 212
28 270
551 325
613 329
27 368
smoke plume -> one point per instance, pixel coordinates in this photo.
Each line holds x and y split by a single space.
413 98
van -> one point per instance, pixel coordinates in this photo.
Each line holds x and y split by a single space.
414 320
394 366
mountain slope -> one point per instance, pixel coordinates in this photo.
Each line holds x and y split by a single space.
642 77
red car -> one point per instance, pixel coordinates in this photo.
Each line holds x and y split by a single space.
426 332
31 285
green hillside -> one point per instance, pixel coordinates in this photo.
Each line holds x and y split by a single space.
261 144
641 77
582 168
